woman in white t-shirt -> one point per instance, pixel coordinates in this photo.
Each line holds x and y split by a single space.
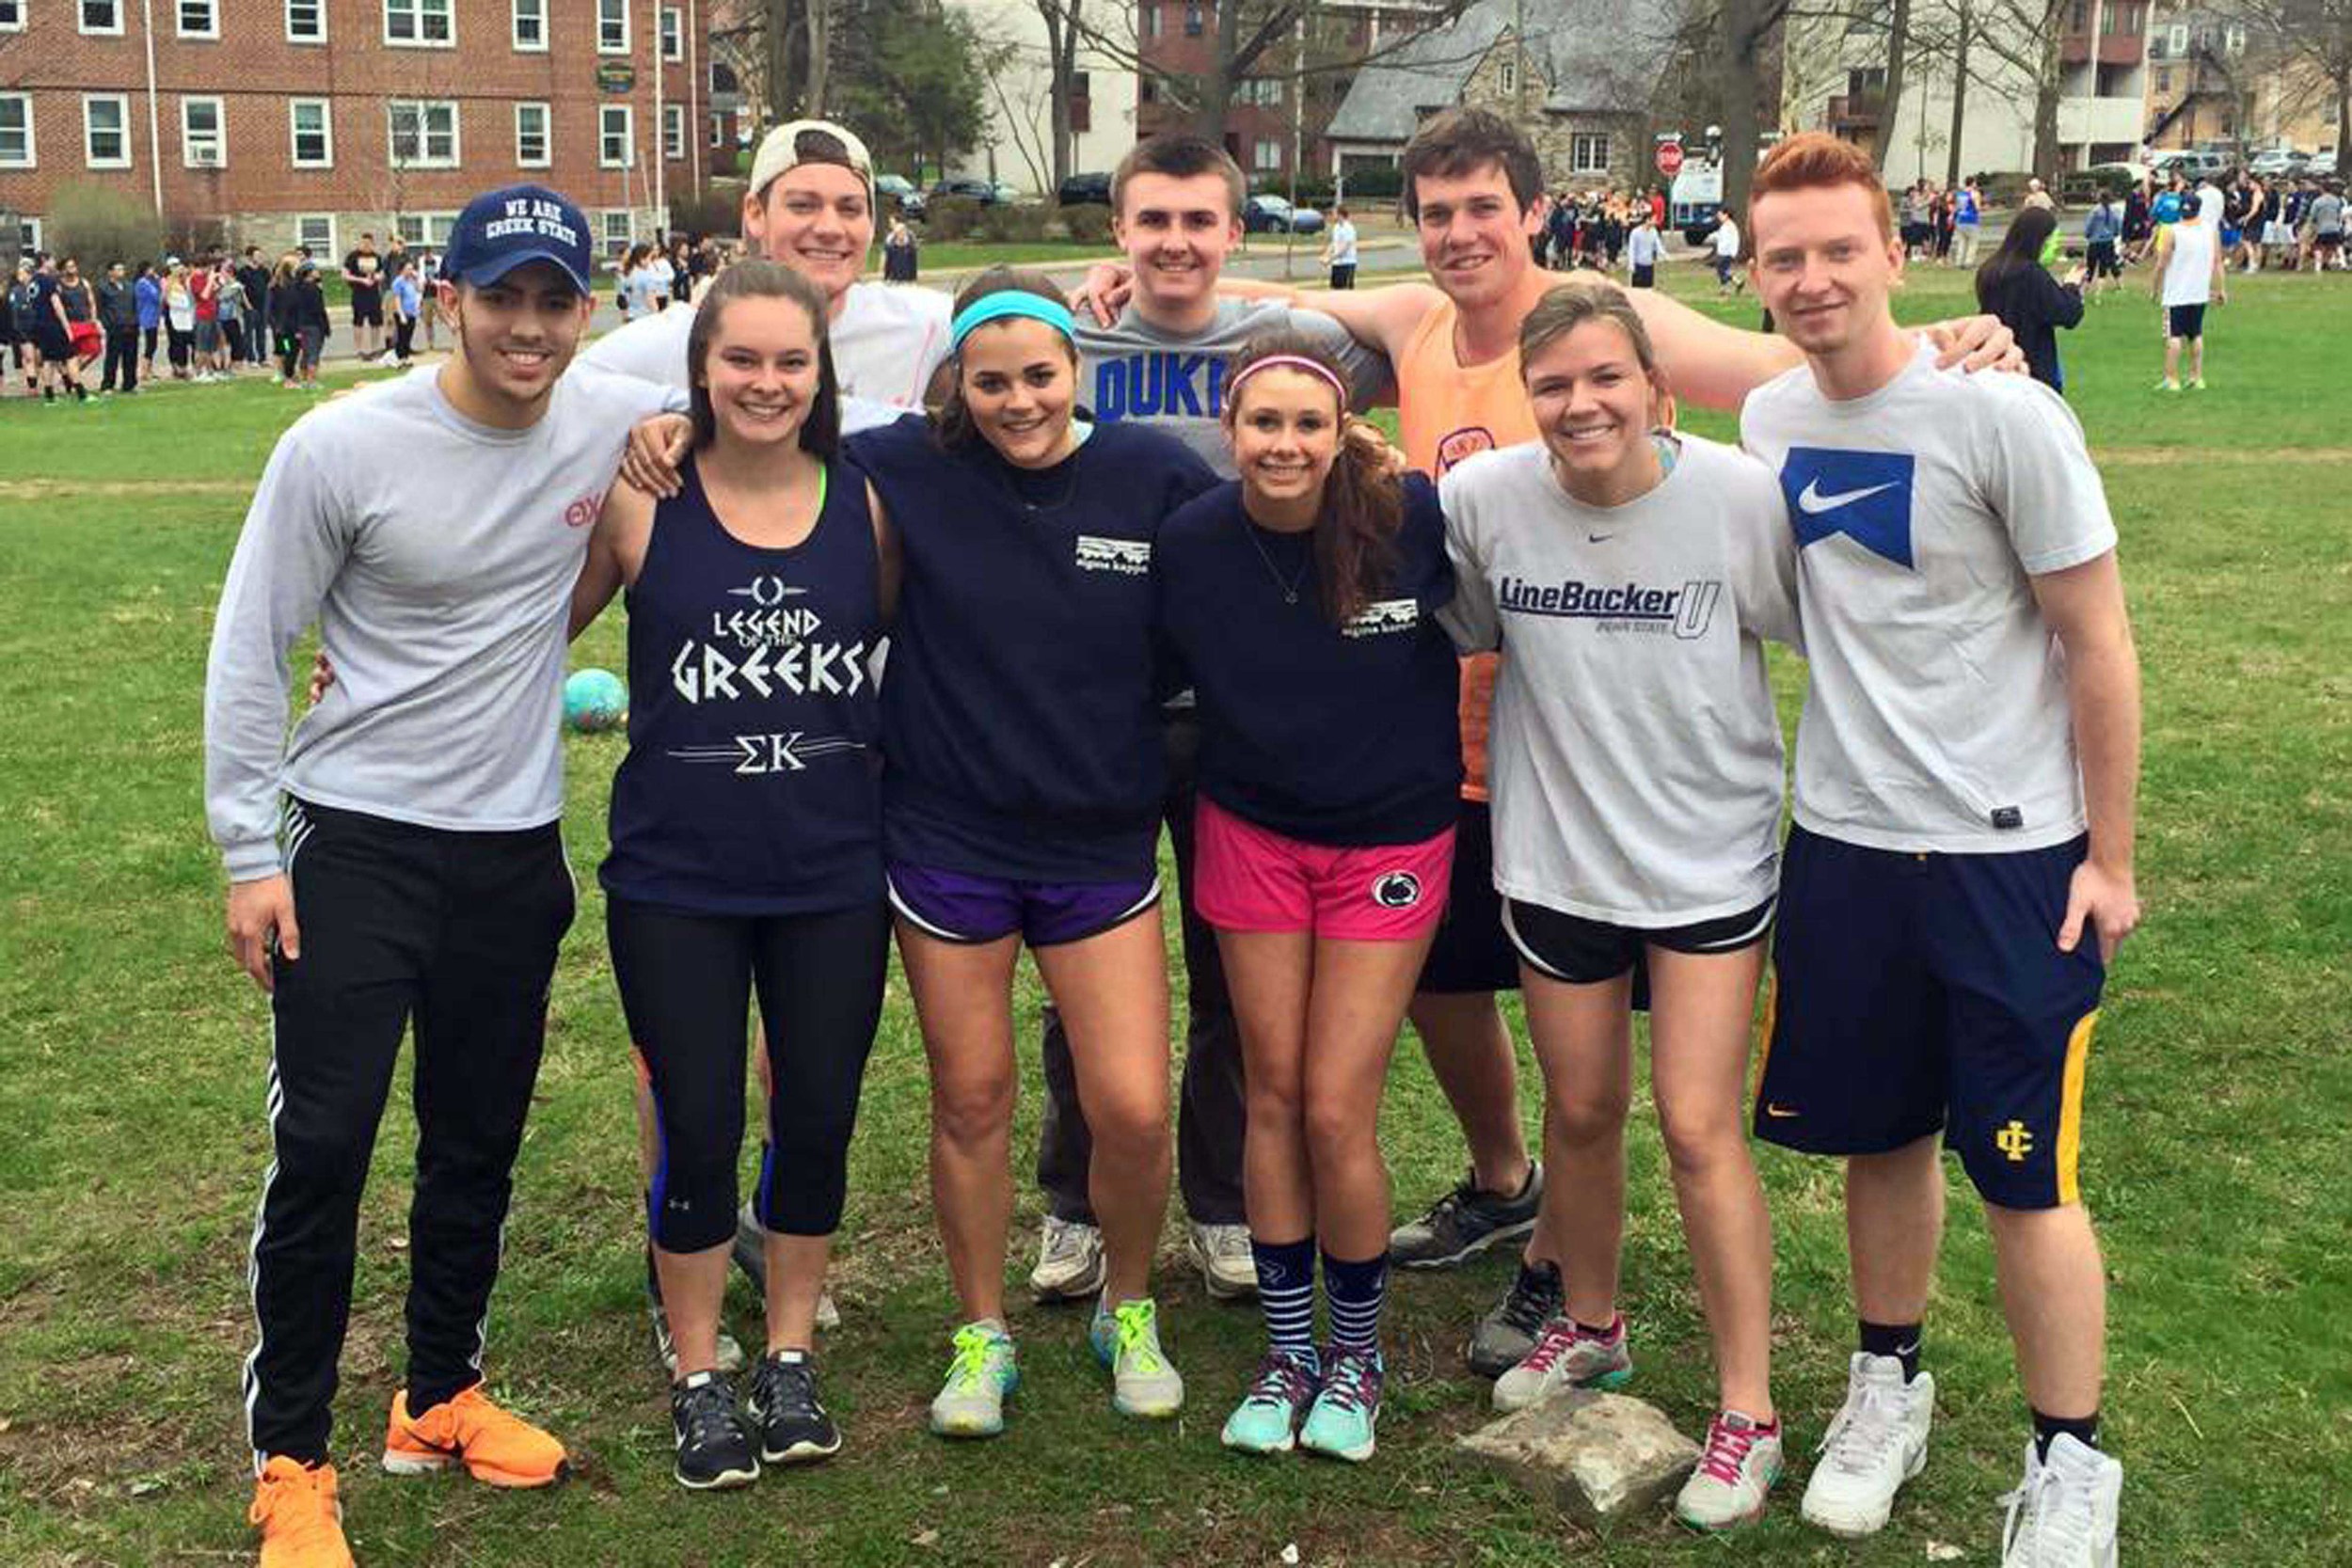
1636 770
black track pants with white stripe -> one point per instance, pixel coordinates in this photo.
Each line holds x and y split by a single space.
453 932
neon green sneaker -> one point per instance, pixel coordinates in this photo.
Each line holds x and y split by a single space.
983 1375
1126 1338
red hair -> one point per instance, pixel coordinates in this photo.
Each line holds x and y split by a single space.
1815 160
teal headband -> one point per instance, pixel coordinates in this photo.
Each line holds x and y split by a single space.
1011 302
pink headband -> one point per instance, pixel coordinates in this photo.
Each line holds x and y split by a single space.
1286 362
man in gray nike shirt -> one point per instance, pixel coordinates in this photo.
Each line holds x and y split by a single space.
401 862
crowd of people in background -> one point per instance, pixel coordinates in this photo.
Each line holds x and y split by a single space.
222 315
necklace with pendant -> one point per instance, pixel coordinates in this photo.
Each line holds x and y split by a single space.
1288 586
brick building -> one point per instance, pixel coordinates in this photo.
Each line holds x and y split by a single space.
311 121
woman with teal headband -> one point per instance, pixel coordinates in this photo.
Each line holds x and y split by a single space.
1021 805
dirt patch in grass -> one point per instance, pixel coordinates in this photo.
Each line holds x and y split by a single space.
82 489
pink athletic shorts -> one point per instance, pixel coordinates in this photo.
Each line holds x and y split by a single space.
1251 879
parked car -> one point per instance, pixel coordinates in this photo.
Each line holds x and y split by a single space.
979 190
898 188
2273 162
2322 165
1271 214
1083 190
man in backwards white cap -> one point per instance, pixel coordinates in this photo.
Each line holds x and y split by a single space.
811 208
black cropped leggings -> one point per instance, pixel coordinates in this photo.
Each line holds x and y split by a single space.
686 983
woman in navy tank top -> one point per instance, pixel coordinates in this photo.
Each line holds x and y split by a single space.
746 841
1022 805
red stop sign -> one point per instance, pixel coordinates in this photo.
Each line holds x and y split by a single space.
1670 158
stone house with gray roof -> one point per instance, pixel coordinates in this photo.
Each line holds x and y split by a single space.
1583 84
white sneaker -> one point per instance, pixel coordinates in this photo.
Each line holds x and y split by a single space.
1070 1262
2063 1513
1734 1475
1221 1253
1878 1441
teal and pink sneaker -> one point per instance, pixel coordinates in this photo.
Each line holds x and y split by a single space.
1565 1356
1266 1421
1345 1413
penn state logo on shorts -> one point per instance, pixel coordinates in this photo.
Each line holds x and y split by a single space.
1396 890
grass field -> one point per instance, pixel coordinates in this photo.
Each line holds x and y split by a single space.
2216 1155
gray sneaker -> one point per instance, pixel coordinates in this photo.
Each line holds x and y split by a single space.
1507 1333
1070 1261
751 1257
1466 1222
1221 1253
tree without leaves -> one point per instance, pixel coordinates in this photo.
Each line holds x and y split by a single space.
2313 35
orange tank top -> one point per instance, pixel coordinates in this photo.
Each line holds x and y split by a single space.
1444 413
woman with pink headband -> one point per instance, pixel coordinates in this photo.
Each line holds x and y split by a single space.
1302 600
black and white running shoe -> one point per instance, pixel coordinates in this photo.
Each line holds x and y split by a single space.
715 1447
794 1426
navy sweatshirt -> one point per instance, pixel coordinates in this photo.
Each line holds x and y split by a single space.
1337 736
1020 724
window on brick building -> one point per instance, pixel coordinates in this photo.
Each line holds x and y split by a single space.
306 21
98 16
1267 155
1147 24
420 23
1192 22
673 132
530 26
313 132
1588 154
530 135
203 136
16 130
423 133
617 135
11 16
423 229
673 34
612 26
198 19
316 232
105 130
619 229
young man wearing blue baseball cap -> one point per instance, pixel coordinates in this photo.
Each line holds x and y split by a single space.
398 863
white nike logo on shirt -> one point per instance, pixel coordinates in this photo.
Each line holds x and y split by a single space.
1812 502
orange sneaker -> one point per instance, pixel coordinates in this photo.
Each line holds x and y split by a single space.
500 1449
301 1523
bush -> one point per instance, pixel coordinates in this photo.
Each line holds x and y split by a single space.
950 217
718 211
1087 224
99 225
1014 223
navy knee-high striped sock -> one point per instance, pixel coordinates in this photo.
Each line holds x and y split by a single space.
1356 1291
1286 1295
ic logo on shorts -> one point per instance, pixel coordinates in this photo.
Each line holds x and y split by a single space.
1396 890
2015 1141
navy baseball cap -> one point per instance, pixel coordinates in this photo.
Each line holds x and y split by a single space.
502 230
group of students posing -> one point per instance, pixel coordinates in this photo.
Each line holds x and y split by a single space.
1047 573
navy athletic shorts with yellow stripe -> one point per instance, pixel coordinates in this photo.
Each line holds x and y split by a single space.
1914 992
